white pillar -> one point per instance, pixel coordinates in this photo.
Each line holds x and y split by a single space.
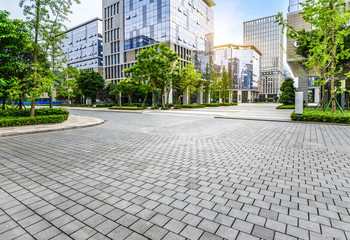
317 95
199 99
249 96
230 96
186 97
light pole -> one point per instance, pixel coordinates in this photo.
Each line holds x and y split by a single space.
120 99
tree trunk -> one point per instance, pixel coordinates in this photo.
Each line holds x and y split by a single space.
179 98
334 107
3 104
144 100
20 103
323 97
130 100
153 99
162 93
35 59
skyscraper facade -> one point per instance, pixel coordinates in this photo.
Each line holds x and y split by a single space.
242 64
84 46
130 25
266 35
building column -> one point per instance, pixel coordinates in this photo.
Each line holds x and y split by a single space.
317 95
239 96
303 85
199 98
230 96
250 95
169 100
186 97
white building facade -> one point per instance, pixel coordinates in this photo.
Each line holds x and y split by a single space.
242 62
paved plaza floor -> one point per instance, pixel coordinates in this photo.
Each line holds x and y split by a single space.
177 175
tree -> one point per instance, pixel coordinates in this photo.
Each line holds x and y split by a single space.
187 79
224 84
288 92
68 88
45 18
329 19
128 88
14 42
89 83
208 81
155 66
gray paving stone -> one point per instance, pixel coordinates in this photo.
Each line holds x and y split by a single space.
155 233
175 226
191 232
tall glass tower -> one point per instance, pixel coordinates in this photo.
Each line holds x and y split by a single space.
130 25
266 35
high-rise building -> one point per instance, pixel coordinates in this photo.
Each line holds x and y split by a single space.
130 25
243 66
84 46
266 35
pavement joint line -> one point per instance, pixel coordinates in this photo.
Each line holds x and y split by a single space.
256 119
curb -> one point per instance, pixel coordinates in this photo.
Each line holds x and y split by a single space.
107 110
9 134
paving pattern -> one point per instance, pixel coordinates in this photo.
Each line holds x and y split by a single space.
159 176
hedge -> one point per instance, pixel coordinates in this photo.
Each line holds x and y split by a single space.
193 106
38 112
286 107
126 108
312 115
212 104
21 121
228 104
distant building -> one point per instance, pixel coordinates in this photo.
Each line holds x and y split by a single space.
286 73
84 46
242 62
267 36
187 27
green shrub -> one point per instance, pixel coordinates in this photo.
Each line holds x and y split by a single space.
228 104
155 107
313 115
212 105
21 121
104 105
193 106
126 108
38 112
286 107
165 108
177 106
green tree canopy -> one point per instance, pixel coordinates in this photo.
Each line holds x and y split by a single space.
89 83
329 19
45 18
14 42
288 92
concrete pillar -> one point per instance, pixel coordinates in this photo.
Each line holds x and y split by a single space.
170 99
186 97
343 100
230 96
239 96
317 95
250 96
303 85
199 98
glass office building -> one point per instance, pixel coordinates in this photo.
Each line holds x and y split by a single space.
130 25
84 46
266 35
242 63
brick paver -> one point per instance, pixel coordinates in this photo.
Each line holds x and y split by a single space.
169 177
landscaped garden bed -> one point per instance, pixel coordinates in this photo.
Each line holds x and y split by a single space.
312 115
126 108
20 117
286 107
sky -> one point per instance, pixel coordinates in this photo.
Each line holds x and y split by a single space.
229 14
